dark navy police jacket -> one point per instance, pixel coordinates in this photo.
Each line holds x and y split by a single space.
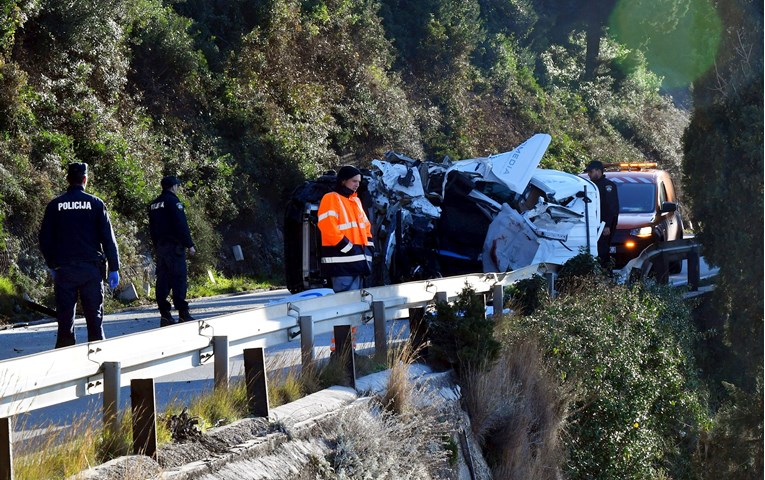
609 202
167 221
76 228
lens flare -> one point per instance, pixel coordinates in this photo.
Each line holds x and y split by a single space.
679 38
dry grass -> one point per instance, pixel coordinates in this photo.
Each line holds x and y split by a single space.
58 452
374 443
517 413
61 452
399 389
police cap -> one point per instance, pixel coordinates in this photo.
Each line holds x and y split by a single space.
77 170
169 181
594 165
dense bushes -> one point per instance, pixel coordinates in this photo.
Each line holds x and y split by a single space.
627 355
599 381
723 163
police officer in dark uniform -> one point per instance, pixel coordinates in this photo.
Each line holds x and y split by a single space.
76 239
171 238
609 209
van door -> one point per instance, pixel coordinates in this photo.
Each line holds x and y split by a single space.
668 223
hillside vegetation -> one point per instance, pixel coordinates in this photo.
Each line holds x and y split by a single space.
244 100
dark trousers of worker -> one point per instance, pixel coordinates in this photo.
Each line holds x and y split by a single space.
604 255
85 279
171 277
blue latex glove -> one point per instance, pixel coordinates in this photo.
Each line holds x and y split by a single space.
113 279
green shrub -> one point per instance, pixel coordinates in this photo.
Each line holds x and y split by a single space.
206 240
528 294
461 335
628 356
734 447
577 270
7 294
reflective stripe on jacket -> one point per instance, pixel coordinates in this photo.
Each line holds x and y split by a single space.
346 236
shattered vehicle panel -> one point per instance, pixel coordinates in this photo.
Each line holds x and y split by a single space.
555 229
491 214
496 213
512 169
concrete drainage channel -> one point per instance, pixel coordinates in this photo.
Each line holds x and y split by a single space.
288 443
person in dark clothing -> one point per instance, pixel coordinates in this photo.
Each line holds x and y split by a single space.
77 240
171 238
609 209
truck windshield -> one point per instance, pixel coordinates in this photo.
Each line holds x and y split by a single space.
636 197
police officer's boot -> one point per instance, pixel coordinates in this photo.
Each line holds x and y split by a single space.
166 318
185 316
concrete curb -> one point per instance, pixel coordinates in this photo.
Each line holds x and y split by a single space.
252 437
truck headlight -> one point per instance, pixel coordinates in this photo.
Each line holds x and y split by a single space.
642 232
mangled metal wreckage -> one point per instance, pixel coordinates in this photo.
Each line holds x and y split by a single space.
491 214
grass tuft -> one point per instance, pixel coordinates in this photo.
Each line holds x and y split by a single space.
517 412
58 452
204 286
221 406
398 392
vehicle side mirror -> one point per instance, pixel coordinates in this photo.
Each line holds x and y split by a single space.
667 207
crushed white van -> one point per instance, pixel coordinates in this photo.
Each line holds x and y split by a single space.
433 219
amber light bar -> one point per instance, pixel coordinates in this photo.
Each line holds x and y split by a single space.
627 166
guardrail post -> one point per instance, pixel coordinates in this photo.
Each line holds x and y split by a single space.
112 384
144 408
418 329
6 448
442 297
498 299
344 352
306 340
661 269
257 381
220 364
480 298
551 276
381 337
694 272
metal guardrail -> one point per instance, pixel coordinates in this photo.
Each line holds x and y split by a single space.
57 376
36 381
657 257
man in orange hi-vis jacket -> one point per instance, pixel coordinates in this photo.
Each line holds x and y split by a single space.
346 233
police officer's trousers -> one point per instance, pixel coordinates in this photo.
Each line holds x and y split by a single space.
82 278
604 251
171 276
